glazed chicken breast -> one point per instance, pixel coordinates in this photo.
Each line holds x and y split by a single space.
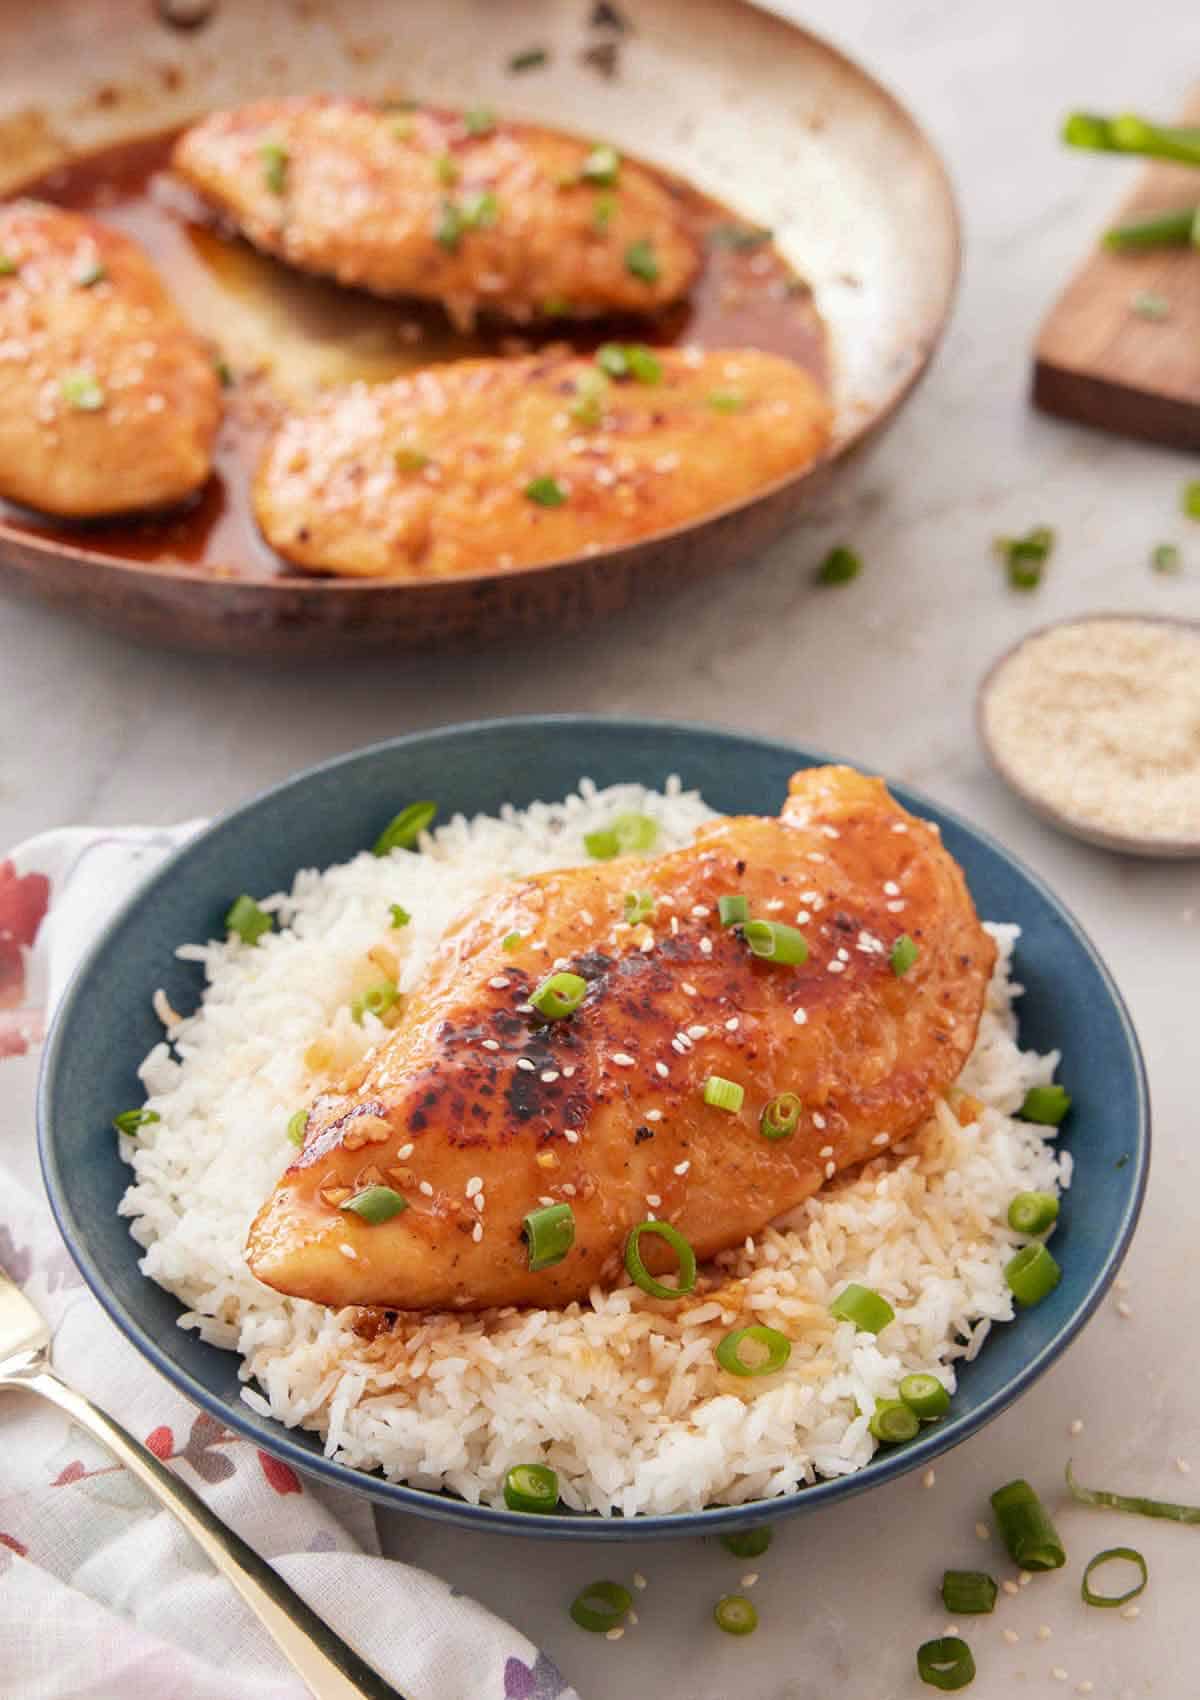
477 1110
460 208
108 402
486 464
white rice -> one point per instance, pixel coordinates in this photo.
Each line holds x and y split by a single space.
621 1394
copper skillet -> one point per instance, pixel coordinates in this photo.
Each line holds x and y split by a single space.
740 102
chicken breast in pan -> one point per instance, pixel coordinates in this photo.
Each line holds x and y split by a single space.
460 208
486 464
486 1103
108 401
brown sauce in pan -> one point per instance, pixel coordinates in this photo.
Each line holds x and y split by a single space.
283 336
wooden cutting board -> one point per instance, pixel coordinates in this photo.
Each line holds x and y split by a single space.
1097 360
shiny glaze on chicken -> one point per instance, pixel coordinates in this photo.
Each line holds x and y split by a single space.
476 1110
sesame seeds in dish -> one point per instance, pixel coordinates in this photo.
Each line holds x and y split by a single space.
617 1391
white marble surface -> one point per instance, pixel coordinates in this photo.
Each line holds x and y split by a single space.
95 730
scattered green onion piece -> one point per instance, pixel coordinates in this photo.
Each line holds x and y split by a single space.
742 238
479 121
511 941
1032 1212
602 166
643 365
733 909
398 915
82 392
1032 1274
1030 1536
247 920
1024 557
775 941
966 1593
632 832
530 59
601 1606
549 1235
1190 499
448 229
1127 133
946 1664
274 158
747 1543
1164 229
685 1277
8 266
781 1116
409 459
547 492
735 1615
1168 1509
559 995
402 832
868 1310
1130 1555
639 906
1046 1105
94 272
376 1000
480 210
556 307
893 1422
402 128
224 372
376 1204
925 1396
531 1487
131 1122
445 168
603 208
641 261
601 846
839 566
613 359
726 401
724 1094
904 955
778 1347
588 406
296 1126
1166 558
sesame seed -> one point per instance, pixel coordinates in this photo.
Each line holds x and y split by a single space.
474 1185
775 904
701 911
479 1200
1024 1578
982 1530
568 1070
881 1139
1009 1586
654 1201
348 1251
526 1064
732 1025
813 856
900 826
681 1049
524 1009
1011 1636
426 1189
1182 1465
819 1120
1123 1309
491 1044
928 1479
545 1199
568 1187
639 1581
654 1115
830 832
1084 1687
1131 1612
749 1579
404 1151
661 1069
631 1616
571 1137
837 967
674 926
895 906
698 1031
799 1016
890 888
843 954
706 945
682 1168
826 1150
549 1075
622 1059
614 1634
1057 1672
687 988
1075 1426
1121 1284
830 1171
803 915
477 1232
1044 1632
500 981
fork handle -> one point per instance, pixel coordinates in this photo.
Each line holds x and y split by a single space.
330 1669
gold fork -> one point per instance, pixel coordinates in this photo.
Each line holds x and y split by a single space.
331 1669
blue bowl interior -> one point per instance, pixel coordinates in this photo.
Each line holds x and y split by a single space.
106 1025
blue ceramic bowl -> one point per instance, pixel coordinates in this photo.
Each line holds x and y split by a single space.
106 1025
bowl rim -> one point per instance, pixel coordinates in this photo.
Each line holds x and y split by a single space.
273 1437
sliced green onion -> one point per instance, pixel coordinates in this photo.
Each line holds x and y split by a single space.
480 210
448 229
685 1277
131 1122
402 832
531 1487
1129 1555
547 492
747 1543
590 391
925 1395
603 208
247 920
1162 230
8 266
639 906
1166 558
556 307
92 273
409 459
1045 1104
296 1126
781 1116
549 1235
376 1204
399 915
839 566
777 1346
968 1592
479 121
1168 1509
224 372
1190 499
1032 1212
868 1310
740 237
1024 557
724 1094
945 1663
602 166
445 168
893 1422
82 392
628 834
904 955
511 941
1032 1274
641 261
559 995
733 909
775 941
274 157
601 846
726 401
643 365
735 1615
601 1606
529 60
613 360
1030 1536
376 1000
